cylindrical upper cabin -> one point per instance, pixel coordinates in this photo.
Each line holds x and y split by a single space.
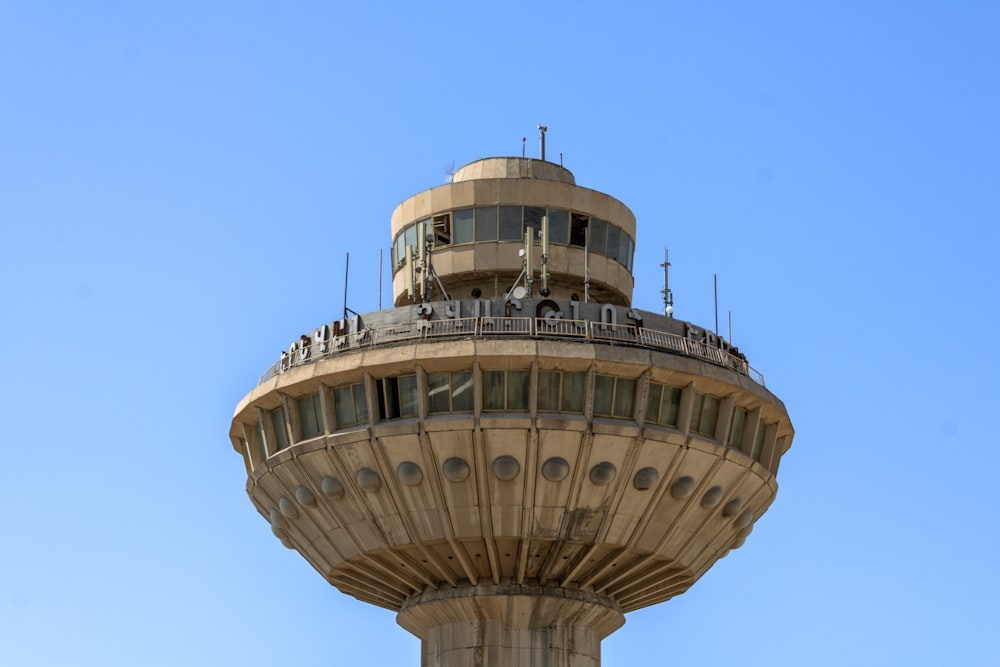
478 223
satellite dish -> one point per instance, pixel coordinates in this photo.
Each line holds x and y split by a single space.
519 292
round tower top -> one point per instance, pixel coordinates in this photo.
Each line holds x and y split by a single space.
513 167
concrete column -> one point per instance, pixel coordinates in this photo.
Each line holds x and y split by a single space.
510 625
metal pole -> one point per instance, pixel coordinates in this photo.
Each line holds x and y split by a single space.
715 281
380 278
347 266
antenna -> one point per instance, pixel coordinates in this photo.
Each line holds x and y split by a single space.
523 144
542 129
545 255
380 278
668 296
449 171
715 289
586 265
730 327
347 268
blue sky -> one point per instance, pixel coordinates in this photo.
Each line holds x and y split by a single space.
180 182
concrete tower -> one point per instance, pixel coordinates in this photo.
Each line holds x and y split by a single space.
512 457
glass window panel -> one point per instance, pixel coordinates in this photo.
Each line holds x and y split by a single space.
486 224
360 404
623 249
407 396
574 390
438 393
410 238
604 388
462 226
709 416
558 226
256 443
278 424
310 416
629 254
624 398
758 442
598 235
533 219
699 399
493 390
510 223
461 391
343 406
736 429
578 230
653 402
518 388
548 391
612 248
669 406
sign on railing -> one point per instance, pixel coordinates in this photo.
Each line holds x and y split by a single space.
307 350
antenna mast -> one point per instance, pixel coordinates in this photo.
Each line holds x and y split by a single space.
668 296
542 129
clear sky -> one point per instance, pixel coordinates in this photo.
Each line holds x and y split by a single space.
180 182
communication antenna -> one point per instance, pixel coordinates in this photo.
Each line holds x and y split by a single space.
545 255
449 171
715 289
542 129
527 254
424 266
668 296
380 278
524 143
347 267
586 265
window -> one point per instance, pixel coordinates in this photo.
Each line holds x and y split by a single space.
449 392
624 244
561 392
736 428
705 414
310 416
558 226
533 220
350 405
510 223
506 391
397 397
662 404
614 397
441 230
410 239
612 248
278 426
486 224
463 227
255 443
758 441
578 229
598 235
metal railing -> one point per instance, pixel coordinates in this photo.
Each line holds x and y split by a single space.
485 327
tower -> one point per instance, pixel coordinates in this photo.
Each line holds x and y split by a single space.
512 457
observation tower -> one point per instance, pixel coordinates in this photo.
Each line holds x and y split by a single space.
512 457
